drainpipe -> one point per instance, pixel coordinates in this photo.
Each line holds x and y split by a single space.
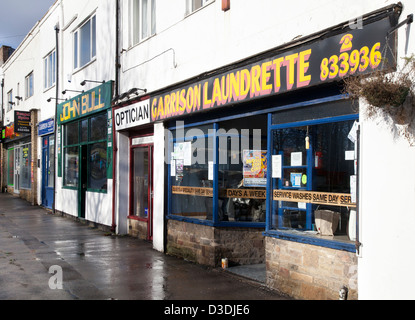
56 116
114 136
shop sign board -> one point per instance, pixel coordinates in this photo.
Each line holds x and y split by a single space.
46 127
330 58
22 122
133 115
92 101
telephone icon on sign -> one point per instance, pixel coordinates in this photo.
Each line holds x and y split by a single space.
346 42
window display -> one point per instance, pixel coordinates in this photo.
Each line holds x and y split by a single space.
229 157
191 174
315 188
90 132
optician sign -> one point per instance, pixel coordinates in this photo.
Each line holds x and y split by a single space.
330 58
133 115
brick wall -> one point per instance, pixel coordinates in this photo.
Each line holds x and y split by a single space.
208 245
310 272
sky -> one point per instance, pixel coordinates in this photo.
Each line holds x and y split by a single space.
18 17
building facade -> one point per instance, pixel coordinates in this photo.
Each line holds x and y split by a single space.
217 133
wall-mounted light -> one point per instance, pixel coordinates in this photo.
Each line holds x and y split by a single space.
66 90
18 98
85 81
128 93
134 90
12 103
50 99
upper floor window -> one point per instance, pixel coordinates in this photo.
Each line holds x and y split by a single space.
142 20
85 48
49 64
193 5
29 85
10 102
18 94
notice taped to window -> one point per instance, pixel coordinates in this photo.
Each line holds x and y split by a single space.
326 198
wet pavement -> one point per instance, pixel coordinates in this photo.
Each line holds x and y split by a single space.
96 265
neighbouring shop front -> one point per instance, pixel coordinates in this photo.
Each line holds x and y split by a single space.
84 155
262 159
19 156
132 122
46 131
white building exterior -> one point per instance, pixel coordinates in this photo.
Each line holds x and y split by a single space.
176 48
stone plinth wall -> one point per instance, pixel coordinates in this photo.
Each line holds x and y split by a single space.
137 228
208 245
310 272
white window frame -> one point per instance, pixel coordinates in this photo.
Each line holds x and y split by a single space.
10 100
29 89
49 69
78 43
193 5
18 93
136 23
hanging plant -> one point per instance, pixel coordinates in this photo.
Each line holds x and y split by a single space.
390 92
383 88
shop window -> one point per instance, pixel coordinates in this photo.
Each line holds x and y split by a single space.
10 167
218 172
97 155
242 170
142 20
71 165
25 167
90 132
191 173
314 179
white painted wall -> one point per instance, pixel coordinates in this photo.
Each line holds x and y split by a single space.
158 188
387 221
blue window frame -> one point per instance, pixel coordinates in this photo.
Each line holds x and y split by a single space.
209 182
303 182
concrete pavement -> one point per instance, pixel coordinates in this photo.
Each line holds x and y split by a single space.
93 264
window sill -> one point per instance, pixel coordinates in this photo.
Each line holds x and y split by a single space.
137 218
316 240
75 71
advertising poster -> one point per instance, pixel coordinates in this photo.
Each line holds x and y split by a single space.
255 168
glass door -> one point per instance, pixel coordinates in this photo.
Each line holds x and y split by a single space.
48 176
17 161
141 202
